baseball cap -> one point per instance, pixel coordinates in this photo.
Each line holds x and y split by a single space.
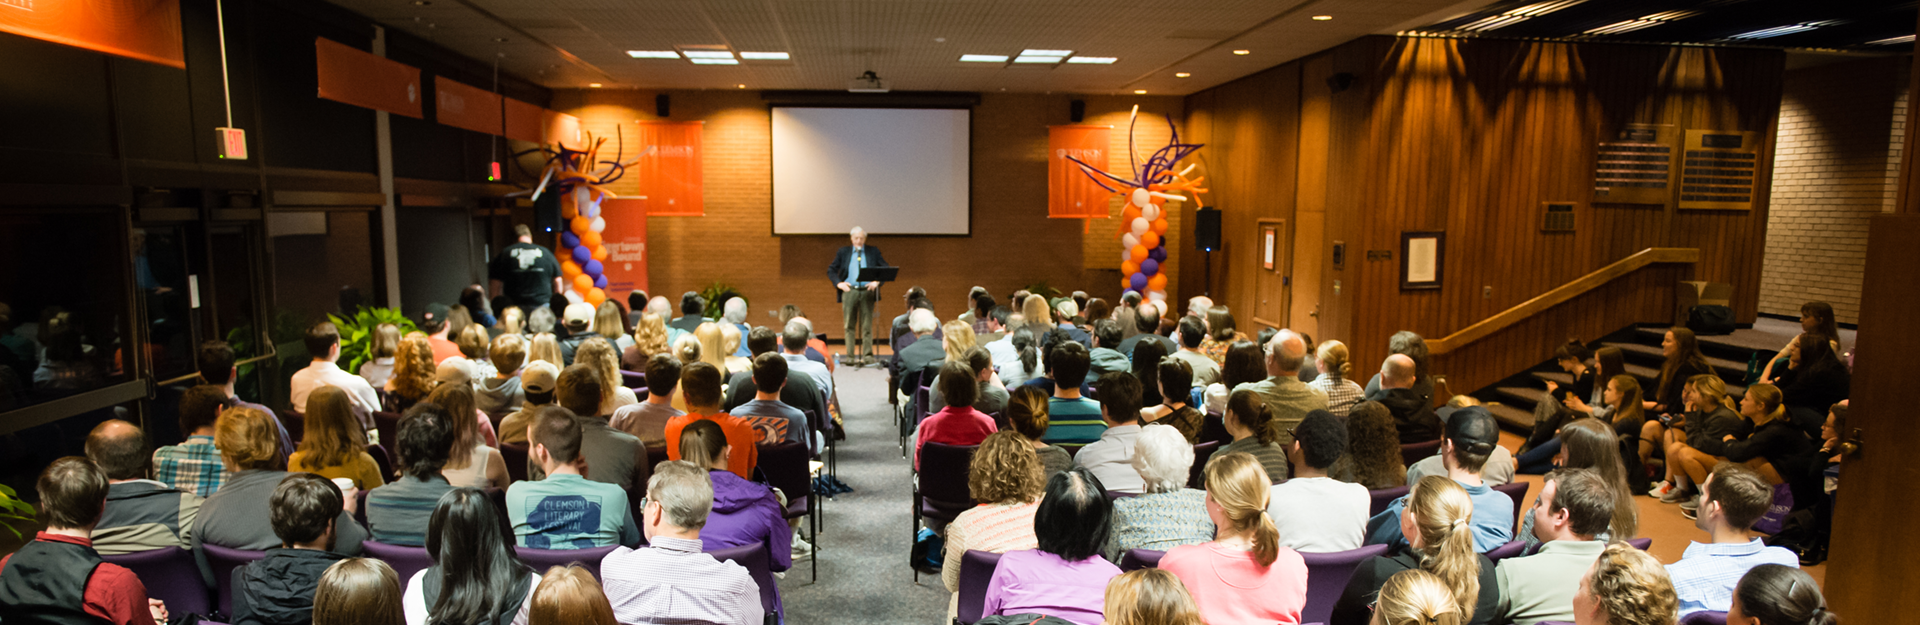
579 315
433 314
1473 430
539 377
454 371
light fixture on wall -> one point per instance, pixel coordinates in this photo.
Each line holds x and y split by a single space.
1139 92
1242 52
1182 75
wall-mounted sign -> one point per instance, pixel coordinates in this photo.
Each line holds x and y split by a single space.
1720 169
1637 166
1422 257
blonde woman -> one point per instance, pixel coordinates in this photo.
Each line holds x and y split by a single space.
379 365
713 346
649 338
1037 315
413 371
730 340
512 321
1625 587
1438 524
1150 597
547 348
1416 597
570 595
1776 447
958 339
610 322
1004 478
1342 394
1711 416
600 354
1244 575
358 591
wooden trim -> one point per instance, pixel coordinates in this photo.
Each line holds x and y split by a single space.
1562 293
49 412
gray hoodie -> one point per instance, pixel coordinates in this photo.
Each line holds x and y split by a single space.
499 397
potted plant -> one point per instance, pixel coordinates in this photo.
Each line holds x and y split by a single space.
14 511
356 332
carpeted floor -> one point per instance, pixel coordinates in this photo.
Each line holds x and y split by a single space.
865 534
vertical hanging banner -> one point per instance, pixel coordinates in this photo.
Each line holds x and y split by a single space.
1070 193
669 168
625 238
523 121
464 106
148 30
352 76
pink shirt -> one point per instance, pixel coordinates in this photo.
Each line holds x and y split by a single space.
1231 588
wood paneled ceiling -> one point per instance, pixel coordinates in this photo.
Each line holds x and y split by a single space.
1885 26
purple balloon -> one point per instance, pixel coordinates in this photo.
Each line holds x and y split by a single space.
569 240
600 282
1158 254
581 254
1150 266
1139 281
593 268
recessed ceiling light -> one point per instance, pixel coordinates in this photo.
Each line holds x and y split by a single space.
1322 18
1139 92
1036 59
499 39
653 54
1094 60
594 85
421 3
715 61
765 56
1045 52
740 86
1181 74
1242 52
709 54
939 39
983 58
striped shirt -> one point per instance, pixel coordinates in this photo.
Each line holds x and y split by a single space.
1706 574
193 466
998 528
674 582
397 513
1342 394
1073 422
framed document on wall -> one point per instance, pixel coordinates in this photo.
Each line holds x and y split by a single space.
1269 237
1422 256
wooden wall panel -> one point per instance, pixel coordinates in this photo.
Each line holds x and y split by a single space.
1250 128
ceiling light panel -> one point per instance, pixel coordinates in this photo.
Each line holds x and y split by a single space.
765 56
1093 60
1031 52
983 58
653 54
709 54
1037 59
714 61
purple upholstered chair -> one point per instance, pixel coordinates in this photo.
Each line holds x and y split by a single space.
1327 575
170 575
1642 544
942 489
223 561
1415 452
405 560
976 571
1704 618
759 567
515 455
1518 492
543 559
1197 474
1514 549
384 461
785 465
1383 497
634 380
1136 559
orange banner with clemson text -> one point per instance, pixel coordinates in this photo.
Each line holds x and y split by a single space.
626 240
669 168
461 105
148 30
1070 193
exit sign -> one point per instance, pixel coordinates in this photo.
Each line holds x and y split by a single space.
233 143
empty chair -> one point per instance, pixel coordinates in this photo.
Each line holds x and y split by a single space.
170 576
760 568
223 561
1383 497
382 459
976 571
1327 575
1642 544
1135 559
543 559
1518 492
942 489
785 465
388 424
1415 452
405 560
295 422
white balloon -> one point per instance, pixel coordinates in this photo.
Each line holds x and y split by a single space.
1158 296
1140 197
599 224
590 209
582 196
1127 241
1150 212
574 297
1140 227
1126 254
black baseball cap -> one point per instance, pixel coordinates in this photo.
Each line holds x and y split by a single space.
1473 430
435 313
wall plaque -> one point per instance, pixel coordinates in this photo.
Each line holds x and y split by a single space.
1719 170
1636 167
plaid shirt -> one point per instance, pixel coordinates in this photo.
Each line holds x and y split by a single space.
193 466
1706 574
1342 394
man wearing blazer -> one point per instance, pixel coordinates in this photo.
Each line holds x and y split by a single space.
857 298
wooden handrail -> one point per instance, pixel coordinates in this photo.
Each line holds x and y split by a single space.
1560 294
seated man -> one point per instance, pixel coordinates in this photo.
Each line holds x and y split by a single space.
1470 438
215 359
1412 412
1105 359
1282 391
1111 457
1001 347
501 394
323 343
1575 505
194 465
1500 465
612 455
648 419
800 392
793 343
1732 499
537 382
397 513
1145 318
58 578
700 386
775 421
278 588
911 362
1316 513
989 396
1192 331
565 510
140 514
671 580
1071 419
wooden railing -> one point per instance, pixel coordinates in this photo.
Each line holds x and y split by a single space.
1560 294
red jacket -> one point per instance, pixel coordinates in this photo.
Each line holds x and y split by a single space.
953 425
113 592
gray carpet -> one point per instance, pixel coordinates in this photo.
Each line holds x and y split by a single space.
865 535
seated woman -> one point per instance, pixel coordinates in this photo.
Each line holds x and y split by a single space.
334 446
730 341
1168 514
744 512
1710 417
649 338
1558 407
1150 597
1775 594
1815 381
472 461
1681 349
1591 444
610 322
1145 361
1243 363
1175 378
1330 360
1005 480
475 343
397 513
545 347
236 515
1249 421
604 358
1625 587
475 577
413 371
1628 417
958 423
358 591
1777 446
1221 335
569 595
1026 364
1373 455
1244 575
1027 414
1437 524
1816 318
382 343
1065 577
1415 597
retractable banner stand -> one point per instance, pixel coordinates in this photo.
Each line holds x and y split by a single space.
1070 193
669 168
625 238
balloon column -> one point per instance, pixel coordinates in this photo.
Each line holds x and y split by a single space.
580 179
1143 223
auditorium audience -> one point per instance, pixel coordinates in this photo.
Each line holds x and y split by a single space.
194 465
500 394
1315 513
278 589
713 347
140 514
1416 597
569 595
1175 380
359 591
1064 576
648 419
1771 594
1025 365
537 382
1110 457
1439 540
954 424
1732 499
1072 420
1471 435
1254 430
413 371
381 345
475 577
333 445
1570 518
1027 414
800 392
775 421
1066 319
1591 444
1536 455
1500 466
1166 514
578 320
512 321
1682 360
397 513
1330 359
1246 363
1244 575
611 454
215 360
436 322
604 360
1711 416
233 517
58 576
1814 380
1414 347
649 338
1221 334
472 461
1373 456
545 347
565 510
700 385
1625 587
671 580
1412 411
744 512
693 309
1776 448
474 344
323 343
1004 478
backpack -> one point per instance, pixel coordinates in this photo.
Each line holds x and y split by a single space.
929 551
1709 320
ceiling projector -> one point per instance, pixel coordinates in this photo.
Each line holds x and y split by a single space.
868 83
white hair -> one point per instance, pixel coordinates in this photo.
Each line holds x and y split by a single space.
1289 349
857 230
736 311
923 321
660 306
684 491
1200 304
802 322
1163 457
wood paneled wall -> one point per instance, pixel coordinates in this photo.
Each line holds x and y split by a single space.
1470 137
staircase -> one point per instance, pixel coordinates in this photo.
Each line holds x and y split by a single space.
1512 400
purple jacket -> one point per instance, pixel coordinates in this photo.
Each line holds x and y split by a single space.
1036 582
747 512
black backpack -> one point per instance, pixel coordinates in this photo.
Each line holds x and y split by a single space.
1710 320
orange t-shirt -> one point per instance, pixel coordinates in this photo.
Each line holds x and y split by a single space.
740 436
443 349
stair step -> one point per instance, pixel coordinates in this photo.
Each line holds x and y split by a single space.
1513 418
1723 345
1558 377
1521 396
1727 369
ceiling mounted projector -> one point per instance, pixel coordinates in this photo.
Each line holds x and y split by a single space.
868 83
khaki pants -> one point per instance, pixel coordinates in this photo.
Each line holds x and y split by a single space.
857 306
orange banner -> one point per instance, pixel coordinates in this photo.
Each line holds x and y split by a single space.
463 106
350 75
669 168
1070 193
626 239
522 121
148 30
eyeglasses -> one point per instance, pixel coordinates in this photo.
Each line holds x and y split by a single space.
1290 433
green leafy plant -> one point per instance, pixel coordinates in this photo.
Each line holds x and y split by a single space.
356 333
1042 289
13 510
717 295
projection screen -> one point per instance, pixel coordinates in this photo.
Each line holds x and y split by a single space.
890 171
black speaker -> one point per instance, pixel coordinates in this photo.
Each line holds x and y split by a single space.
1340 82
1206 229
1077 110
546 212
661 104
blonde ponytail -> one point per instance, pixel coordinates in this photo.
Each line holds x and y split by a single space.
1417 597
1334 354
1238 483
1444 517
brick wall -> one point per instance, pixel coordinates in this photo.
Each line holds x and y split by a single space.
1836 164
1013 242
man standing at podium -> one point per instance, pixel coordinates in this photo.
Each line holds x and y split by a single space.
857 298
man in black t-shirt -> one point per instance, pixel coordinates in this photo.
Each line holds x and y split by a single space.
528 273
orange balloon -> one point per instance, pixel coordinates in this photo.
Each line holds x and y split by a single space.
600 253
1129 268
567 211
591 239
1150 240
1139 253
1125 284
1160 225
1157 200
1157 283
1129 213
570 269
596 297
582 225
583 283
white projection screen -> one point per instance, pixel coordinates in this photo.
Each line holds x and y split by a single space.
890 171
